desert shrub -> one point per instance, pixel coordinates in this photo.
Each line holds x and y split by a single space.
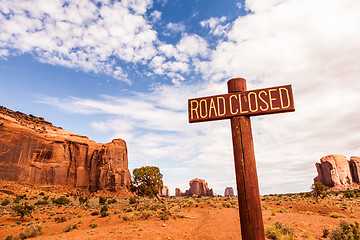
132 200
279 231
227 205
336 215
61 219
326 233
102 200
42 194
46 198
111 201
17 200
83 200
154 207
346 231
104 211
349 194
282 210
41 202
5 202
23 210
164 216
307 194
30 232
145 215
70 227
93 225
61 201
126 218
95 213
128 210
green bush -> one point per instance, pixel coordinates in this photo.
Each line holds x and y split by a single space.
132 200
111 201
102 200
145 215
346 231
95 213
164 216
83 200
349 194
5 202
41 202
61 201
104 211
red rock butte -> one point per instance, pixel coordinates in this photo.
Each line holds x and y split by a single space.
229 192
335 171
197 187
32 150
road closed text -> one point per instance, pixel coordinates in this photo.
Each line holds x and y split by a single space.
255 102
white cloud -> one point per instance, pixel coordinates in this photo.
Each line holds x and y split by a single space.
71 33
215 25
155 15
176 27
319 56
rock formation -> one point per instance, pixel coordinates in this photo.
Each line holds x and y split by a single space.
33 150
336 171
164 191
229 192
197 187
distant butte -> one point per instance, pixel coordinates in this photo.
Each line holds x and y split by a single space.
336 172
32 150
197 187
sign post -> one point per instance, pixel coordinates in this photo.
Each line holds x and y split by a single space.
238 105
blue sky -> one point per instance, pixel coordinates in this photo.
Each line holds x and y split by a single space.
125 69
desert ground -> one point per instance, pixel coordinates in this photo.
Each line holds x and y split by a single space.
59 215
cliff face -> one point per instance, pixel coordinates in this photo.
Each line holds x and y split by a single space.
197 187
336 171
34 151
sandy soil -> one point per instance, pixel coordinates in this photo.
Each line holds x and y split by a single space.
193 218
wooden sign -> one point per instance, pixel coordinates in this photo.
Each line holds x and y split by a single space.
249 103
238 105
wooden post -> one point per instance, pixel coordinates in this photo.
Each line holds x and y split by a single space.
251 220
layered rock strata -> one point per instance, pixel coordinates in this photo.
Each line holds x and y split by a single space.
33 150
197 187
336 171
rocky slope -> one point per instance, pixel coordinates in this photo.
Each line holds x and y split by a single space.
336 171
197 187
33 150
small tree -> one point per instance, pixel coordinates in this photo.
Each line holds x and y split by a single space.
147 182
23 210
319 190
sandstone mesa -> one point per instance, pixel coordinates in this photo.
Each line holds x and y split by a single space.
34 151
229 192
197 187
336 172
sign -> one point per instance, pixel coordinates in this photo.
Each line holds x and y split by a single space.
238 105
249 103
